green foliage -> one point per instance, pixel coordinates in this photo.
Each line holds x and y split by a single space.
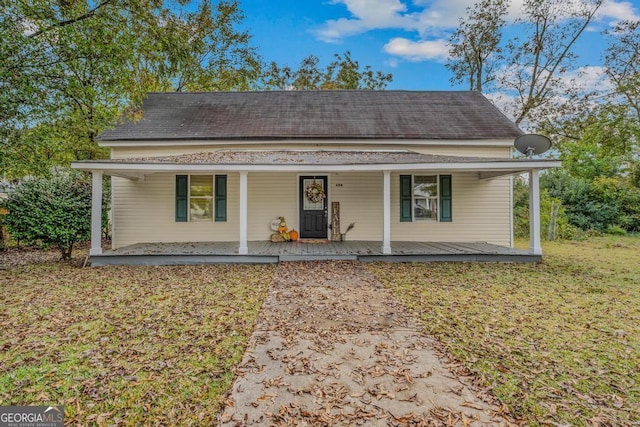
520 208
615 230
596 204
51 211
548 205
342 73
69 69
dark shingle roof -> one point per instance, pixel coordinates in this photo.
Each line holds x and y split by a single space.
317 115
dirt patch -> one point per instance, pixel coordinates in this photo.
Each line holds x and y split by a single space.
332 346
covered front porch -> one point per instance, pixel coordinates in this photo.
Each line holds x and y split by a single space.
263 252
262 184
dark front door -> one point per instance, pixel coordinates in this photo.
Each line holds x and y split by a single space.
313 207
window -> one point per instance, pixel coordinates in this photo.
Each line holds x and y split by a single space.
200 198
195 198
425 197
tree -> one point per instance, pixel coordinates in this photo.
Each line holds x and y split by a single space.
475 48
538 59
51 211
622 64
342 73
69 69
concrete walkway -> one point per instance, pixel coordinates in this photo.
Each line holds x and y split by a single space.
333 347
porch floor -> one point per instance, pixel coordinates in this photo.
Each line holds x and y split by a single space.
269 252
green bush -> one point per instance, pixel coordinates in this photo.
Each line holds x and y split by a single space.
596 204
615 230
53 211
564 230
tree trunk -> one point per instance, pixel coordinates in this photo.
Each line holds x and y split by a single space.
66 252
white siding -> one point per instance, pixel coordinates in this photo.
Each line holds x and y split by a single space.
277 194
481 213
144 212
271 195
360 197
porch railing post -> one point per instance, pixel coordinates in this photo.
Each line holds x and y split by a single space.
386 227
244 248
534 212
96 213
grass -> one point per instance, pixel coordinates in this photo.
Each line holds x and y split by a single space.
558 342
126 345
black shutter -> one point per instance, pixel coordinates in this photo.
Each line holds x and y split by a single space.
406 195
446 211
221 198
182 195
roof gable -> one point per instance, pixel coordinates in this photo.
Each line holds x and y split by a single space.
316 115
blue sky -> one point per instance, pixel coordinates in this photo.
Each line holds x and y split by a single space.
404 37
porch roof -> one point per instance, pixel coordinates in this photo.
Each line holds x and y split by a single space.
311 161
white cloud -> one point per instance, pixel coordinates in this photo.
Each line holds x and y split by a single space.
392 62
435 15
418 51
432 20
588 79
366 15
614 11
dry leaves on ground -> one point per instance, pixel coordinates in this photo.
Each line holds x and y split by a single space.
126 345
558 342
334 348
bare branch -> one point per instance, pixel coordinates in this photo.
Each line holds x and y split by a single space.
80 18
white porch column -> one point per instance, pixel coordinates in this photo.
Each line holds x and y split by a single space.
534 213
386 221
96 213
244 248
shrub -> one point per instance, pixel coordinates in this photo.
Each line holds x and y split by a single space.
563 229
51 211
615 230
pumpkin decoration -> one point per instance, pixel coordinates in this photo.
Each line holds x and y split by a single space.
293 234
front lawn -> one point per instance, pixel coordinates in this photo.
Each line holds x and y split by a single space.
126 345
559 342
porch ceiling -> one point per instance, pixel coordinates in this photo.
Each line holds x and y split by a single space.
311 161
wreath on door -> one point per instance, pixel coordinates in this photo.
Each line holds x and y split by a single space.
314 192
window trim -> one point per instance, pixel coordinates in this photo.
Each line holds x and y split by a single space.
216 197
210 198
439 198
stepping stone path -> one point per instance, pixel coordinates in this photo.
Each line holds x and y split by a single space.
332 346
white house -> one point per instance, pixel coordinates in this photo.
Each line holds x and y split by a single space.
404 166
